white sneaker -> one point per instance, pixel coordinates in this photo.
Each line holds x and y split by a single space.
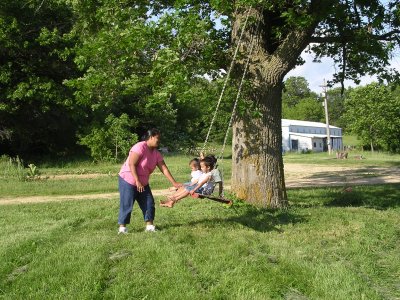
150 228
122 230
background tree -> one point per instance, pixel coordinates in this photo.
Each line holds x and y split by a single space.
111 141
299 102
296 89
308 109
336 100
37 112
372 113
149 63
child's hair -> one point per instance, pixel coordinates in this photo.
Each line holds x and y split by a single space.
209 161
213 159
195 162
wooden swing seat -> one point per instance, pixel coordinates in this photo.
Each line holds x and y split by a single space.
219 198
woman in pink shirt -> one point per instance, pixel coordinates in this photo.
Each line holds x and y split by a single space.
134 180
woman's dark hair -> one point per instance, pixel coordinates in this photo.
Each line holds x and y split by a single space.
196 163
149 133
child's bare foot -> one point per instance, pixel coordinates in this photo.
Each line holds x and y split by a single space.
172 189
167 203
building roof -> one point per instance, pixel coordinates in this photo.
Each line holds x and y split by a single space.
287 122
314 135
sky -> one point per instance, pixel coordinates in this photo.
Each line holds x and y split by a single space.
315 73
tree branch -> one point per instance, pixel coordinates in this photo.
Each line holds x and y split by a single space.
348 37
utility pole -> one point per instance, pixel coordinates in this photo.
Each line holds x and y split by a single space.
328 133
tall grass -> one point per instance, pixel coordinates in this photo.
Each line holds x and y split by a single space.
12 168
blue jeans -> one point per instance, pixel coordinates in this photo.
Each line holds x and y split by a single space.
128 193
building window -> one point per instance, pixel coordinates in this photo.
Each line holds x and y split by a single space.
315 145
320 145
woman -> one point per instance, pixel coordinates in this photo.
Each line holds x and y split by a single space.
134 180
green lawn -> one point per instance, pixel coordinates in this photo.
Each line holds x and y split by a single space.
322 158
351 140
51 183
369 158
330 244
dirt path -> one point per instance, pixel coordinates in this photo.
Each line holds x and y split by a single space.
305 175
297 175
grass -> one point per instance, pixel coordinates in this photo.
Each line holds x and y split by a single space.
52 182
376 159
351 140
330 244
322 158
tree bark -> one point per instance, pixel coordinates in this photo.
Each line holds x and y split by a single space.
258 175
257 170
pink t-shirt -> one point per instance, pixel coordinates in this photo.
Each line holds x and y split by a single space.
148 160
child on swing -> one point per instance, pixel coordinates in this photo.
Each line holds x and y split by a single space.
195 174
205 184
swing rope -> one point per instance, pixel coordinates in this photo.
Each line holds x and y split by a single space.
221 155
226 81
237 99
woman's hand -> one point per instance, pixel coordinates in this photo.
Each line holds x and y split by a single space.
139 186
177 185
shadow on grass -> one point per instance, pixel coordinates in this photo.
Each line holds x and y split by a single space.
371 196
262 220
359 175
377 197
393 163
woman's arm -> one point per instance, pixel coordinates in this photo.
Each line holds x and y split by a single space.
133 161
164 169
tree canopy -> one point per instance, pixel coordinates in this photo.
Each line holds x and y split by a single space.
373 114
69 70
299 102
37 112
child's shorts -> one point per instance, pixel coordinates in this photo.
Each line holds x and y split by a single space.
190 187
200 190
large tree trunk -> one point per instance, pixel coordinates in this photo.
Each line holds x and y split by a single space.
257 170
258 173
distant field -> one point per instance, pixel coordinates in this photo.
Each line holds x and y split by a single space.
85 177
59 179
351 140
369 159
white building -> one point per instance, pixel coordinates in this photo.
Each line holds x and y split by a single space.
305 135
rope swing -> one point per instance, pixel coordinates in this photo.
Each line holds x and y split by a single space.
226 81
220 157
